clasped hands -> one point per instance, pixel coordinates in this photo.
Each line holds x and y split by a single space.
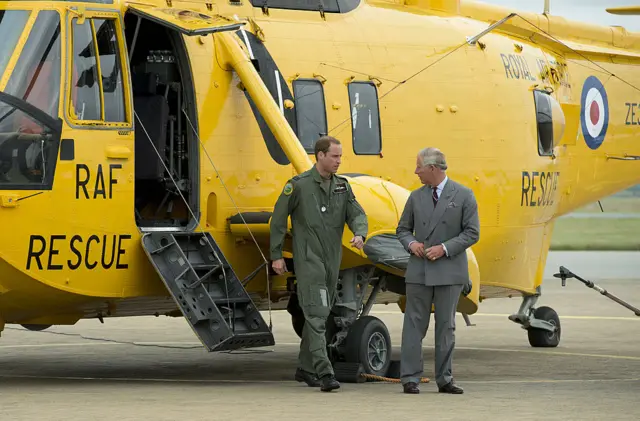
432 253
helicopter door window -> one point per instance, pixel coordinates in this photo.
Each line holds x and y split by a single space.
544 120
365 118
86 102
97 91
311 115
110 68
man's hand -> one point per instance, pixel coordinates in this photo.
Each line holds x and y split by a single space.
435 252
417 249
357 242
279 266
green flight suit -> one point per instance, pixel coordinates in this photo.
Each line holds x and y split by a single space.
319 209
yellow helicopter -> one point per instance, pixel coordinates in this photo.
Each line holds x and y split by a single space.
143 145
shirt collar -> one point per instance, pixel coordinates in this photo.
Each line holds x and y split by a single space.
441 185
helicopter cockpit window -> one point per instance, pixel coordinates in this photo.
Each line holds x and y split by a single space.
36 76
544 119
12 23
365 118
97 93
311 115
29 140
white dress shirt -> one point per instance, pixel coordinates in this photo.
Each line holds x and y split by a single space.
440 186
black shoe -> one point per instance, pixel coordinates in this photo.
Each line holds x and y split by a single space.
411 388
329 383
451 388
309 378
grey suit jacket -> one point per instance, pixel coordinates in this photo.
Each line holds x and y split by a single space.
453 222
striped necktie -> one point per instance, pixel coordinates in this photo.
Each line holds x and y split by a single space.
434 196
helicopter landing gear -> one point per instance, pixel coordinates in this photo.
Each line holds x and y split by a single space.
356 341
369 344
542 324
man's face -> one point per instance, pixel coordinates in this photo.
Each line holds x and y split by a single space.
425 173
330 161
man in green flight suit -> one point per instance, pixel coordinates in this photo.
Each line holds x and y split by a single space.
319 202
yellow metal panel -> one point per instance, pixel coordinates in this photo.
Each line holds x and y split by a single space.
187 21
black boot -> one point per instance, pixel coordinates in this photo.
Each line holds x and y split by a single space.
329 383
309 378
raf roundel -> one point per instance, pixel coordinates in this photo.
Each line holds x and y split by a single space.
594 112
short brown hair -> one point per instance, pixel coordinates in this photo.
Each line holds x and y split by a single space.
324 143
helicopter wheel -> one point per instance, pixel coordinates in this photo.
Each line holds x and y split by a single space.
368 343
544 338
35 328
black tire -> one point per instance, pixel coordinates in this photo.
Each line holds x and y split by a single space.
541 338
366 331
36 328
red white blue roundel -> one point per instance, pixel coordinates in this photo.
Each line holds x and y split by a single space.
594 114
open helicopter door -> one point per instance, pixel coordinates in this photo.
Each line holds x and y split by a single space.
191 265
186 21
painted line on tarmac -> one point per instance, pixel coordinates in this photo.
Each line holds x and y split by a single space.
550 381
71 344
528 351
99 342
249 382
637 319
132 379
297 344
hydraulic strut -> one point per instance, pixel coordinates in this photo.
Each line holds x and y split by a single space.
566 273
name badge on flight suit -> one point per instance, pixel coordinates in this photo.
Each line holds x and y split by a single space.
340 188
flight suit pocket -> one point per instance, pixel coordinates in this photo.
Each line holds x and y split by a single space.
314 299
337 216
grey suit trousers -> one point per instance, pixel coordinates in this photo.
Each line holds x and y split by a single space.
416 322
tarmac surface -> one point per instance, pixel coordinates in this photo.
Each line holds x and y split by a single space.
160 371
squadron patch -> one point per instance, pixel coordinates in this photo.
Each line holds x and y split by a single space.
288 189
340 188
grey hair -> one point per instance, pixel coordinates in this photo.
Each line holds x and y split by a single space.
433 156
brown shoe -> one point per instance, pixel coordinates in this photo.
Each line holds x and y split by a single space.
411 388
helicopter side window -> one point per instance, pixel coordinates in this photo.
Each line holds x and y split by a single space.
86 101
544 120
110 67
97 92
365 118
311 115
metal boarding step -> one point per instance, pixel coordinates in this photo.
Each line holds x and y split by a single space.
221 313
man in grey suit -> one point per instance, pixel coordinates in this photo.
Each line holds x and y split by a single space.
439 222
